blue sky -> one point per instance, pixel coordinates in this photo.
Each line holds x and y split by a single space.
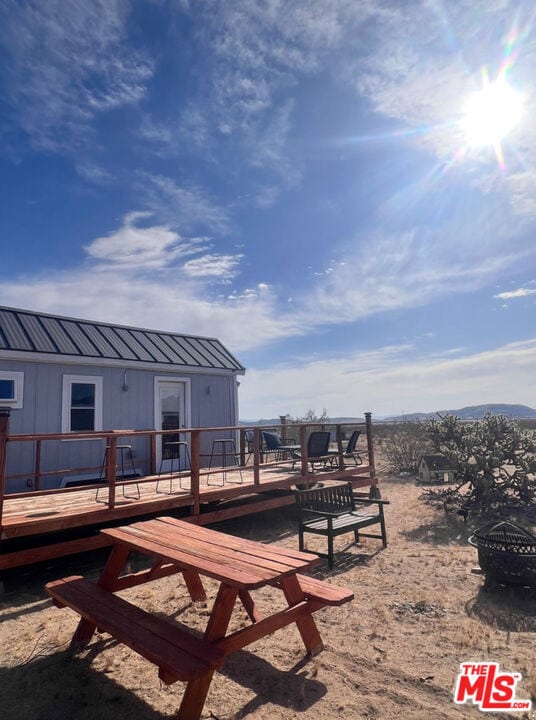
291 177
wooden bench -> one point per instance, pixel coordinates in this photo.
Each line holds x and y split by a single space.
329 594
332 510
177 653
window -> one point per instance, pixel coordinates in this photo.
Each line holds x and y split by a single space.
11 386
82 403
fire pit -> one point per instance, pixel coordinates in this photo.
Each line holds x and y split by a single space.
506 553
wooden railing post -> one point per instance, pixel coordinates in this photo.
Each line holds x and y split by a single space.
37 467
111 463
303 448
4 436
242 447
283 422
195 467
339 446
152 456
257 457
370 444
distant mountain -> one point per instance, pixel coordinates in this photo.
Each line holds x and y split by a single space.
475 412
270 422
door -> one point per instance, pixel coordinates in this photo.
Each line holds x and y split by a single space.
170 414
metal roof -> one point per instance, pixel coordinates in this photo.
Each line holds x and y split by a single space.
32 332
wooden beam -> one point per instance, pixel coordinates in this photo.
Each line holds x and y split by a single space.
111 463
195 466
245 509
370 444
46 552
4 433
257 455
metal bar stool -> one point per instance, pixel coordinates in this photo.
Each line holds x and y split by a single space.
172 450
122 449
224 453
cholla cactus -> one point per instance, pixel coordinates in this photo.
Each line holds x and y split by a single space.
493 456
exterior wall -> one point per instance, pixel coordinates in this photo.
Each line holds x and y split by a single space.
434 476
213 404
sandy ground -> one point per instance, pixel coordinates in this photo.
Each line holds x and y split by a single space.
393 652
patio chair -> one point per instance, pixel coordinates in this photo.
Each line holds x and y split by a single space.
317 449
350 452
272 444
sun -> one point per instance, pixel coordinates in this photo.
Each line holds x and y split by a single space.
491 113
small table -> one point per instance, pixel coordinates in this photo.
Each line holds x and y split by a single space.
240 566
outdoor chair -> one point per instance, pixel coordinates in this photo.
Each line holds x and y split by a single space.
350 452
272 444
317 449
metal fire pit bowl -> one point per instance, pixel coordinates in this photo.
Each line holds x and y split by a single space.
506 553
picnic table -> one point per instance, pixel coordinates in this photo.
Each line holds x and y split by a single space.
240 566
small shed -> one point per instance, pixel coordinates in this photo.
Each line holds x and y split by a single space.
435 469
66 375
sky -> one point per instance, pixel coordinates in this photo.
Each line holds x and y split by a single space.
302 179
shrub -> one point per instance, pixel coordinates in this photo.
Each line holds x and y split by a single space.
402 445
493 458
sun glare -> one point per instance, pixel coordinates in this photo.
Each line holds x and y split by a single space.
491 113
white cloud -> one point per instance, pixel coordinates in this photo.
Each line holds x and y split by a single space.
94 173
144 248
257 54
156 132
522 193
186 206
223 267
399 271
164 300
146 276
68 62
392 380
520 292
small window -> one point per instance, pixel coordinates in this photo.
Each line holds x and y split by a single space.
82 403
11 386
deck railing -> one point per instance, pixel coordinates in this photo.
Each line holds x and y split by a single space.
250 456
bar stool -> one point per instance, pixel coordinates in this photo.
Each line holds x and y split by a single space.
122 449
224 453
173 450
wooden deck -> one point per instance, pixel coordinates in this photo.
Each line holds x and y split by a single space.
40 525
44 518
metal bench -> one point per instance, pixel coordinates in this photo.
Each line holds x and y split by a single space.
177 653
335 510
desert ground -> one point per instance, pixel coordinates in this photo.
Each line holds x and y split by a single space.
394 652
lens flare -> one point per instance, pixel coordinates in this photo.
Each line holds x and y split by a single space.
491 114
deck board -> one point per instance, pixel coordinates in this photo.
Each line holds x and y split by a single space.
53 512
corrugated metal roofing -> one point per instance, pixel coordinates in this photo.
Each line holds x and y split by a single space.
27 331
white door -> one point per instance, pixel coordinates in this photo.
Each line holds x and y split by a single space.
170 414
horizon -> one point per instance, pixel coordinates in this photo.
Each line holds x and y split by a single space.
295 180
337 418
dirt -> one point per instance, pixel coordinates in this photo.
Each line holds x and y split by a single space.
394 652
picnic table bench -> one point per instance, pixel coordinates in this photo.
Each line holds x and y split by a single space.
239 565
177 653
334 510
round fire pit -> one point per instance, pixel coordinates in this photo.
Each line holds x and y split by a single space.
506 553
